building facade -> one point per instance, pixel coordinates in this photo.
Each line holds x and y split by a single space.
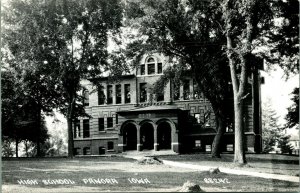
126 115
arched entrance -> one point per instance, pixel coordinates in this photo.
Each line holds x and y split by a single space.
147 136
164 137
130 136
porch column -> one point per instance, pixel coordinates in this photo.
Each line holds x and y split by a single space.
156 145
138 141
175 142
121 145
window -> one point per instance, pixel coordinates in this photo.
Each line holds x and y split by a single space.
150 60
101 96
229 147
208 148
116 119
101 150
86 128
76 151
86 151
118 94
160 96
110 145
142 69
86 97
196 90
197 117
109 94
186 90
110 122
127 93
76 128
159 68
198 143
151 68
143 92
101 124
176 91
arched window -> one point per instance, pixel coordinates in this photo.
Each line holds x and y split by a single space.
150 60
151 65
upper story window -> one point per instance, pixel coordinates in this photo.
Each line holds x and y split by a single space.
150 60
151 66
118 94
110 122
142 68
109 94
85 97
186 90
127 93
86 128
176 91
76 128
101 124
159 68
197 93
143 92
160 97
101 96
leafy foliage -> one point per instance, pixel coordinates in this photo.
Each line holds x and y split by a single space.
293 111
60 42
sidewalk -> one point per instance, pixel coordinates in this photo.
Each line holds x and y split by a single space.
140 155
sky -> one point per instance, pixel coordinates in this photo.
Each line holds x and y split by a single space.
278 90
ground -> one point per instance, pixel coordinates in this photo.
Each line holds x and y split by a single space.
125 175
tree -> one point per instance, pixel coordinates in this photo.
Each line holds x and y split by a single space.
19 111
245 21
283 39
284 144
271 131
7 149
293 111
68 40
188 33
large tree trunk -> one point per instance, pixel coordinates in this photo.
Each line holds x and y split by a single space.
220 129
38 139
70 138
239 87
17 147
70 128
239 150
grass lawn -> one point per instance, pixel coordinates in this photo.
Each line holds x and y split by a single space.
265 163
155 177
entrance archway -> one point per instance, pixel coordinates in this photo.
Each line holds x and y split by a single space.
130 136
164 137
147 136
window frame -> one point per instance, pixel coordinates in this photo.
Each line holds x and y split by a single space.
118 91
109 92
86 128
109 123
126 93
101 127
